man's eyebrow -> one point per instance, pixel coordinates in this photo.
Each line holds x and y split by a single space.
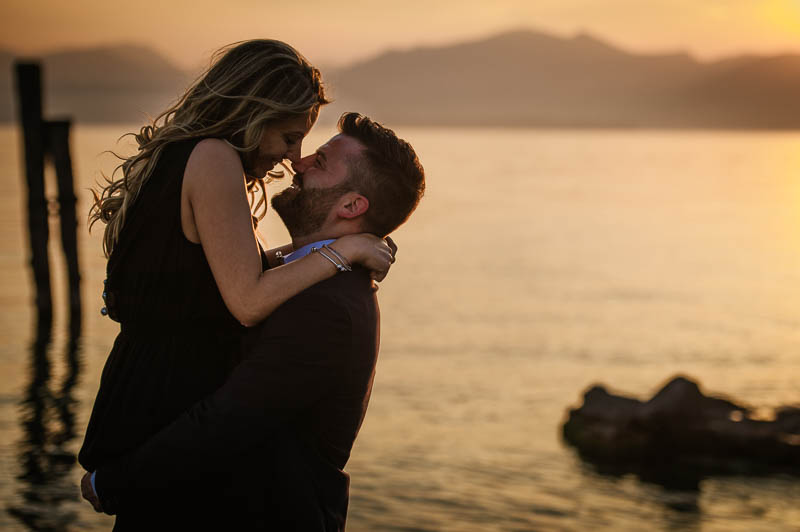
321 155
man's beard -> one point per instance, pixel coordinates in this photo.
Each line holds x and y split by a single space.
304 211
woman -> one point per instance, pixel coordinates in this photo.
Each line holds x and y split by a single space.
185 269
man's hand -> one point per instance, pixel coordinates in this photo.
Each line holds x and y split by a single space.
88 492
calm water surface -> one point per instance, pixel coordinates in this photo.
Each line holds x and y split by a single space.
539 262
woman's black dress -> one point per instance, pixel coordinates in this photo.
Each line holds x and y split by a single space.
177 341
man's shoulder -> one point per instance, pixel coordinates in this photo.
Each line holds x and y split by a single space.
328 319
343 289
331 303
358 280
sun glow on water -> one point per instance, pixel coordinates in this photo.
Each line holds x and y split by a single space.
620 257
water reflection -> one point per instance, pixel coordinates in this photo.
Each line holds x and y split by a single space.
671 499
664 475
48 494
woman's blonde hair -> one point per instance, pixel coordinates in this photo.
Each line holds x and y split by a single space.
249 85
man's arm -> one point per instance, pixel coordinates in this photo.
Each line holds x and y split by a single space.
295 363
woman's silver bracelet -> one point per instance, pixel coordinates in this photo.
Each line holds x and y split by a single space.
339 266
344 261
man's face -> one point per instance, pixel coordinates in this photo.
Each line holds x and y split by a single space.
320 181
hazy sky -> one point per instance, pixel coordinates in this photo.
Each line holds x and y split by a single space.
329 33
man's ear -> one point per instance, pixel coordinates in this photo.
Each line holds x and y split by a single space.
352 205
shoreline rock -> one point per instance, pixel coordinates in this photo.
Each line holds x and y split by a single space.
682 431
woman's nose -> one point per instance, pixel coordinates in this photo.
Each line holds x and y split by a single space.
294 154
300 165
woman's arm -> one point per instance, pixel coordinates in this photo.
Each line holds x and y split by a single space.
214 186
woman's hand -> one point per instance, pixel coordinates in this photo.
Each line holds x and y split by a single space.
370 251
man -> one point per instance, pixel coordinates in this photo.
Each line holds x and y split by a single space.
279 432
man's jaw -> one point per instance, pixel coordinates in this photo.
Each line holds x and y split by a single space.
292 198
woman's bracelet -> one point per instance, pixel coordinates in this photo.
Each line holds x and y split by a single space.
340 266
339 256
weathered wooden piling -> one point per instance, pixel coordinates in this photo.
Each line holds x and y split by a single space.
58 149
29 91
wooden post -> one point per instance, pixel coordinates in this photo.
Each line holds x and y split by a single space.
51 138
29 89
58 149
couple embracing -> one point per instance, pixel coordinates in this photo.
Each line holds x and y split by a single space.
240 377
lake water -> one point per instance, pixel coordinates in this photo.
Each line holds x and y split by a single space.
539 262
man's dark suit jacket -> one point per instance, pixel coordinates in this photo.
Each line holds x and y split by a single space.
279 432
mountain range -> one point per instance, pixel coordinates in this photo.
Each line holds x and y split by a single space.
519 78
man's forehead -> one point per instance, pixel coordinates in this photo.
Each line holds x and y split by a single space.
342 146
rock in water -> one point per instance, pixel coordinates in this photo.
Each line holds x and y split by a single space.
680 428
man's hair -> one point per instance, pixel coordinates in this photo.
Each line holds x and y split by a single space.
388 173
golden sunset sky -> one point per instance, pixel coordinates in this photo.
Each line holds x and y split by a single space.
334 33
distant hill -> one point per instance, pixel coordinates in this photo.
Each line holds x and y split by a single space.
110 84
526 78
519 78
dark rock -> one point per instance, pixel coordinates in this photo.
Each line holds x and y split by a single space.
682 429
788 418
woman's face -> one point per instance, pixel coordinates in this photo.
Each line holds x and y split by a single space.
281 140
